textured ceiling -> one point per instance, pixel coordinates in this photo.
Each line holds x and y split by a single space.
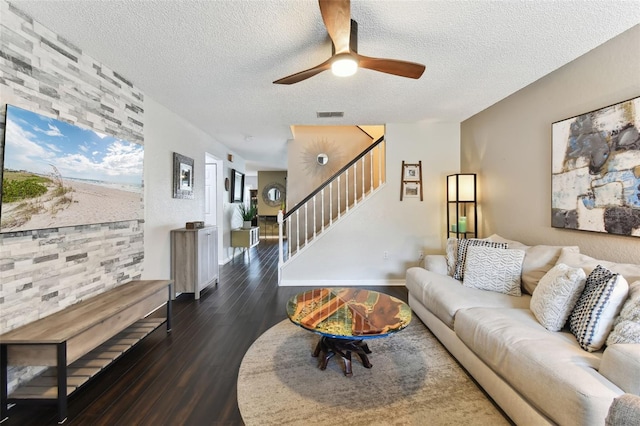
213 62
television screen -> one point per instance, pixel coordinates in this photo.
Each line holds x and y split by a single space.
56 174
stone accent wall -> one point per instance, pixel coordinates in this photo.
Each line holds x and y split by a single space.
44 271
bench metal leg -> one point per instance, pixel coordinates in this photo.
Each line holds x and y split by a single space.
3 387
62 382
169 303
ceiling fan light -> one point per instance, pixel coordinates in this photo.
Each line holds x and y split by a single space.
344 66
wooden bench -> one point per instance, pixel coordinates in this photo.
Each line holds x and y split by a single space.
80 341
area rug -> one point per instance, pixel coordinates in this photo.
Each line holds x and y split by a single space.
414 381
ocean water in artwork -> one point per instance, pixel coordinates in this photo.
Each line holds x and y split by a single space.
56 174
596 170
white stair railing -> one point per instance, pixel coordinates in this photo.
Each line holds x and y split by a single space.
315 214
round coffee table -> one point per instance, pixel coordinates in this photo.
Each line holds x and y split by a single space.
346 318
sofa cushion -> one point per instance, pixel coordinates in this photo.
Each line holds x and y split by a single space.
463 244
626 327
538 260
556 295
443 295
517 245
630 272
493 269
621 364
548 368
596 309
435 263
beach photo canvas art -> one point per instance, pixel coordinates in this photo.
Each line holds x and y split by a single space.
56 174
596 170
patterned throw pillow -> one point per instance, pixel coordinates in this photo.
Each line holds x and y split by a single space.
597 307
493 269
452 255
626 328
463 244
556 295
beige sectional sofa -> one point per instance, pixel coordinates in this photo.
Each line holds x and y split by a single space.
535 375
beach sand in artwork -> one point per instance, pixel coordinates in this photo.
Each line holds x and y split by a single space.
88 204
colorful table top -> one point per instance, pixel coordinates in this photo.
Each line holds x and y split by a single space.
348 312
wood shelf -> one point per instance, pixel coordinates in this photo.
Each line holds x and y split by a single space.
79 341
79 372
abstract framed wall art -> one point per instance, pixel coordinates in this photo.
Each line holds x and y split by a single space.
595 182
56 174
182 176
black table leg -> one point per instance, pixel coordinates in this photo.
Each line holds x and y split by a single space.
329 347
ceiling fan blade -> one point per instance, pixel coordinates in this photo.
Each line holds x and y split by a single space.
303 75
391 66
336 15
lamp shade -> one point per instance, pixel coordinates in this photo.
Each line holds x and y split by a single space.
344 65
461 187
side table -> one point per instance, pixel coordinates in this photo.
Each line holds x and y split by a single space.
245 239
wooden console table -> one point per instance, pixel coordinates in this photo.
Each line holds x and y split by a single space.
80 341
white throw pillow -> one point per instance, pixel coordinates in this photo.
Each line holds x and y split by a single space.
556 295
626 328
493 269
600 302
463 244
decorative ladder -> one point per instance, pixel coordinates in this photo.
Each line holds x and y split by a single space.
327 204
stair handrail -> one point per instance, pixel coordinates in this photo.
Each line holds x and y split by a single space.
332 178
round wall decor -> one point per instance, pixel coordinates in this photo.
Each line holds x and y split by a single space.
273 194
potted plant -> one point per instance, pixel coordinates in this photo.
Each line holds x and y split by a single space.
247 213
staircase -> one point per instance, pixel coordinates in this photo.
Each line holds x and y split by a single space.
330 202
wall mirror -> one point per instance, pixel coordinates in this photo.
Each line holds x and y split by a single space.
322 159
237 186
273 194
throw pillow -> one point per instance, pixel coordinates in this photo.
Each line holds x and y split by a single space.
452 255
556 295
597 307
493 269
626 328
462 253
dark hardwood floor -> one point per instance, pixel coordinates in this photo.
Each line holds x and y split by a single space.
186 377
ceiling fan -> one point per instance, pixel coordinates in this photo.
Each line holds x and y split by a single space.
345 59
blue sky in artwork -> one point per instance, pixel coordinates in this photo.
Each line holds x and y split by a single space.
34 142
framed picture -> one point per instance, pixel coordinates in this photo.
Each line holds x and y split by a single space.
595 185
237 186
411 172
182 176
56 174
411 182
411 190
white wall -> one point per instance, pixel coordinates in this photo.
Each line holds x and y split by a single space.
509 146
166 133
351 253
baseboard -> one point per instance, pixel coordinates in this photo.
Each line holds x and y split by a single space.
341 283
